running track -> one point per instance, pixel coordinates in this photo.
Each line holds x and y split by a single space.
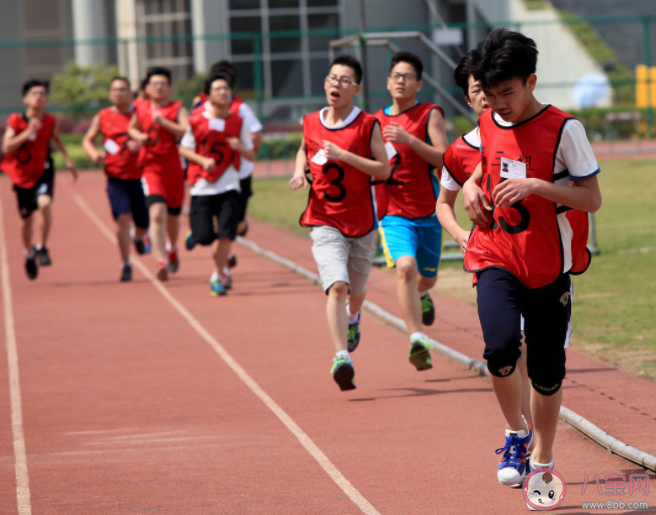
132 403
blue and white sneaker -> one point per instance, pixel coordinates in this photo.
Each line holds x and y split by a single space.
190 243
530 440
217 288
353 335
512 468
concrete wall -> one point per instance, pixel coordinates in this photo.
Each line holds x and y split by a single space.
11 60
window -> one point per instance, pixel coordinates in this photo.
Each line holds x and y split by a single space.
323 21
287 78
244 4
244 46
282 44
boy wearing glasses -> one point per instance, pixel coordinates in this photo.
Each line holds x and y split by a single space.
411 233
25 146
124 189
158 124
214 144
338 144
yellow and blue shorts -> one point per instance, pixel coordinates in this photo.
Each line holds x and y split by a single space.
420 238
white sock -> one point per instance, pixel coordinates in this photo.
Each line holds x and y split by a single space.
214 276
226 270
418 336
537 465
521 434
343 354
29 255
38 247
352 319
127 263
422 293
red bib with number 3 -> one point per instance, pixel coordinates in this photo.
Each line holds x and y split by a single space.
528 238
119 161
340 195
25 165
211 135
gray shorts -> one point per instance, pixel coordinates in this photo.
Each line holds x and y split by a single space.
343 259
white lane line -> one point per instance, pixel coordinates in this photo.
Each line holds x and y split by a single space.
293 427
20 457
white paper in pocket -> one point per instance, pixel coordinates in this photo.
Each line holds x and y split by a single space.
512 169
111 147
319 158
32 137
391 151
217 124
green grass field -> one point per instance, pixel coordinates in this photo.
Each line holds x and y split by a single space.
615 300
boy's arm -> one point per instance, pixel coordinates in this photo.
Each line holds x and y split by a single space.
378 167
178 127
187 150
447 216
56 140
134 130
300 166
89 137
474 197
243 144
431 152
12 141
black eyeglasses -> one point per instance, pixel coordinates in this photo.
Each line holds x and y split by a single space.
343 81
396 77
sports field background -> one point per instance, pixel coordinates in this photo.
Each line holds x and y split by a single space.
615 300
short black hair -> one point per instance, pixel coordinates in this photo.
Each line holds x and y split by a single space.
504 55
217 76
158 70
351 62
33 83
124 79
410 58
225 68
143 84
464 70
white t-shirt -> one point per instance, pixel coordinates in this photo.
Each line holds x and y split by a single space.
474 139
229 180
245 113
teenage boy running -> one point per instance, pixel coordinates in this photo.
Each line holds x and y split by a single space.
524 245
124 188
460 161
25 146
338 144
158 123
412 235
213 144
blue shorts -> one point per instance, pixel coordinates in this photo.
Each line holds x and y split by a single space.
420 238
127 196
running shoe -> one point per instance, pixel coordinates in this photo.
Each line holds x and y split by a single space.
217 288
139 246
190 243
227 281
31 268
343 373
427 310
161 270
530 440
419 355
126 272
353 335
44 257
173 264
232 261
512 468
244 231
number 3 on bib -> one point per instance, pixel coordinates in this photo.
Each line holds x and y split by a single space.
337 182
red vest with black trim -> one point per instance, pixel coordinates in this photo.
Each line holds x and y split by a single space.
340 194
161 143
211 142
528 238
123 164
461 159
25 165
411 189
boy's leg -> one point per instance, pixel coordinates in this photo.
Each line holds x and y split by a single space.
526 390
45 208
26 206
547 327
123 236
246 188
26 234
336 314
158 221
139 209
173 226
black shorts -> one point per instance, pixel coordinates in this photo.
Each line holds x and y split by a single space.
502 300
27 197
246 186
127 196
209 212
154 199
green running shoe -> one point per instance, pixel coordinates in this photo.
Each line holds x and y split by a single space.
343 373
353 335
427 310
419 355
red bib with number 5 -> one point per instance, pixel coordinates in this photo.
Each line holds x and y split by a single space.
119 162
340 195
211 135
533 239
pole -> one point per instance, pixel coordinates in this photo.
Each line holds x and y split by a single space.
363 54
646 42
257 43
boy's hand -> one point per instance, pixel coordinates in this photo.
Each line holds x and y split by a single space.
235 144
462 239
512 190
97 158
133 145
297 181
396 134
71 168
34 125
333 152
208 164
474 197
156 117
